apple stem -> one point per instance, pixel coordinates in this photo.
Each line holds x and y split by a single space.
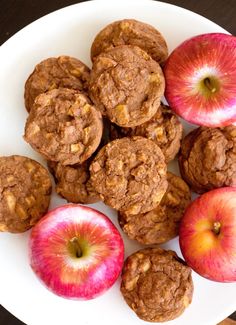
75 246
208 84
216 227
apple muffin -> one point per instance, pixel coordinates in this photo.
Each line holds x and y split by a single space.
164 128
131 32
156 284
126 85
64 72
73 182
25 189
207 158
130 174
162 223
64 126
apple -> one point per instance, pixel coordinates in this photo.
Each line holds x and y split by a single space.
207 235
200 79
76 252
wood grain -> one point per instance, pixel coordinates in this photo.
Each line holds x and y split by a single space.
228 321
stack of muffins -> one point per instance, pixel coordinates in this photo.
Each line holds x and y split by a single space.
106 136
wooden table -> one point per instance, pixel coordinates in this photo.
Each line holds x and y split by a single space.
15 14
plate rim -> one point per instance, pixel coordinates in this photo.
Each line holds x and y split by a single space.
116 3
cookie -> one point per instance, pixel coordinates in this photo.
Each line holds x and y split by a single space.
164 128
126 85
207 158
25 189
130 174
162 223
73 182
156 284
63 126
131 32
64 72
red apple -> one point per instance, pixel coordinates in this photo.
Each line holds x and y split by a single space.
201 80
208 235
76 251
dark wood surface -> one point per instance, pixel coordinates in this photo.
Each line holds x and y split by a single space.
228 321
15 14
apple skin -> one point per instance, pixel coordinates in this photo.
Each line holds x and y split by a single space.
53 255
200 79
207 235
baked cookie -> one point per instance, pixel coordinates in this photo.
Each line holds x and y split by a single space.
126 85
73 182
164 128
131 32
156 284
63 126
25 189
130 174
64 72
207 158
162 223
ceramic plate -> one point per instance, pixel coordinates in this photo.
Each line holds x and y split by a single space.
71 31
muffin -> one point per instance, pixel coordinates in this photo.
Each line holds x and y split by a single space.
207 158
64 126
156 284
61 72
130 174
162 223
73 182
131 32
25 189
164 128
126 85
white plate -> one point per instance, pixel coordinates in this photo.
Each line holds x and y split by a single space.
71 31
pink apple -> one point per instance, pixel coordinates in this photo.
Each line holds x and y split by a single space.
201 80
76 251
208 235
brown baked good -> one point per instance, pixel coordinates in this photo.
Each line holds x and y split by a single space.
156 284
131 32
73 182
64 72
25 189
64 126
130 174
164 128
162 223
126 85
207 158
